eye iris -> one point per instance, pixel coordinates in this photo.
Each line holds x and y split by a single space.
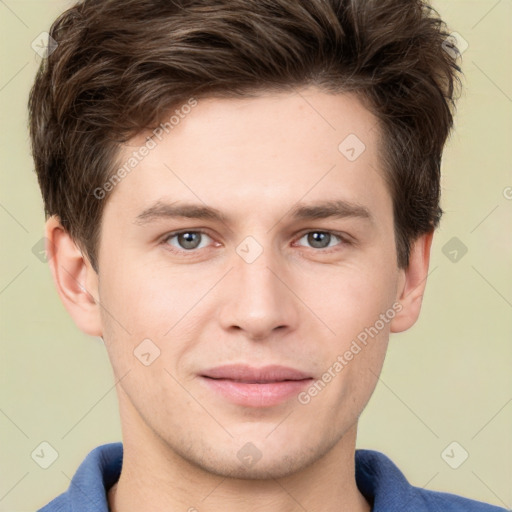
187 241
316 239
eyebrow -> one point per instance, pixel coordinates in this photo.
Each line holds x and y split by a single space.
301 211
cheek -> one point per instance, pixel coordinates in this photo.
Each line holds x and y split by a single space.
362 318
350 298
147 298
351 304
152 309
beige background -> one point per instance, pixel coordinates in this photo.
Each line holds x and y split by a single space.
448 379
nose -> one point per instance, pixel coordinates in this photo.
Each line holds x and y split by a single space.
258 297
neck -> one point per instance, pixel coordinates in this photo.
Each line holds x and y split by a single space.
155 477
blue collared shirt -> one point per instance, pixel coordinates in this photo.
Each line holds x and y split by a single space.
378 479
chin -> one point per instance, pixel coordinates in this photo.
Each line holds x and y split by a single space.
256 461
276 467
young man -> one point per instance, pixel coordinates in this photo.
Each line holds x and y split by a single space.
241 197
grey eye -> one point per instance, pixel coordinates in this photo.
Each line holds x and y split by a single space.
187 240
320 239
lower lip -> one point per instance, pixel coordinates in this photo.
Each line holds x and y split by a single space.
256 395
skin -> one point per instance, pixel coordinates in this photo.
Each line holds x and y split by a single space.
295 305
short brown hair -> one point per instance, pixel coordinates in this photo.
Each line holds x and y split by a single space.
122 65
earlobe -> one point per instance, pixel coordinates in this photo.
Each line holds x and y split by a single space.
74 277
412 287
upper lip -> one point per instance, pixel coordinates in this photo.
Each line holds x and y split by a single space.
246 373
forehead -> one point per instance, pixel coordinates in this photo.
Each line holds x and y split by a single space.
275 149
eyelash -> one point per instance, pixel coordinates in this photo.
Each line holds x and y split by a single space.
343 240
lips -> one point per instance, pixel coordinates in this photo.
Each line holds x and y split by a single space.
247 386
251 375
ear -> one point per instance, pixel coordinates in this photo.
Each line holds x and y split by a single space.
412 284
74 277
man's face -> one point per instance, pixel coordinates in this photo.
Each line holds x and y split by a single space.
260 287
